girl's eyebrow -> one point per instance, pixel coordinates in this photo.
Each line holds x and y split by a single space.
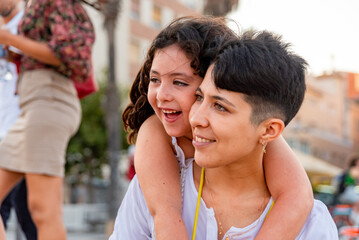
216 97
173 70
171 73
154 72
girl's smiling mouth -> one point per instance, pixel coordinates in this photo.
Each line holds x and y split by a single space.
171 114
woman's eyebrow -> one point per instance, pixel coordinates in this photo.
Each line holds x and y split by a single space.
222 99
217 98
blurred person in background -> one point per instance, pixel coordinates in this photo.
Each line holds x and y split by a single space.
9 111
55 38
348 184
346 197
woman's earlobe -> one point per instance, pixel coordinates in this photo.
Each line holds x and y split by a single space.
273 129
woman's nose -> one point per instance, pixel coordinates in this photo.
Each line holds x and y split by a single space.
198 115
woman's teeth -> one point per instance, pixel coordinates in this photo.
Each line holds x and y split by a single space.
202 140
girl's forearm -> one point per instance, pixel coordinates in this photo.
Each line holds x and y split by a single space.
291 190
158 174
169 224
286 218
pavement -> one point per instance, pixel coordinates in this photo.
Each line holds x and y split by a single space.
11 235
14 233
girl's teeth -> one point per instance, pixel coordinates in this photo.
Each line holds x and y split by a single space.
169 112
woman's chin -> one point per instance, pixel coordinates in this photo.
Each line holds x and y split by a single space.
204 163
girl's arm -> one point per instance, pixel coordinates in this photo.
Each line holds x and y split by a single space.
37 50
157 170
291 190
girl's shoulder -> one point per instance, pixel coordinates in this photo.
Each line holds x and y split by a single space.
153 130
154 125
153 121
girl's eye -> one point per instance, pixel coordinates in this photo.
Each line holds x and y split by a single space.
219 107
199 98
179 83
154 80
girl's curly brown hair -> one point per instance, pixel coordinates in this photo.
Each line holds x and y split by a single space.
198 37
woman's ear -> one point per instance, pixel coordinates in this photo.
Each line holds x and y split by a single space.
271 129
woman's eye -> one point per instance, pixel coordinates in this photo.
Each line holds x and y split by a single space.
219 107
179 83
199 98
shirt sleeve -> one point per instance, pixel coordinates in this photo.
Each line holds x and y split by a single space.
133 219
319 225
72 37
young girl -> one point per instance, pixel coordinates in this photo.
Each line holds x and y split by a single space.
174 68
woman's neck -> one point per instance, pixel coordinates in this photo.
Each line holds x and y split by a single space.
234 181
13 13
226 189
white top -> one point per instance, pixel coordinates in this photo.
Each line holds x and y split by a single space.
134 221
9 102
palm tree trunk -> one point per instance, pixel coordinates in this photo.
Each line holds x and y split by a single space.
110 11
113 123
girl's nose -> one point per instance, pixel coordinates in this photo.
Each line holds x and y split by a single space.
164 93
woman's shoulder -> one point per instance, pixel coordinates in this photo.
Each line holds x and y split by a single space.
319 224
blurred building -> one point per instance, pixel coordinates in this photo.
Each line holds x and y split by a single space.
138 24
327 126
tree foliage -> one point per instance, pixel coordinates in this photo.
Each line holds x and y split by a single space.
86 152
87 149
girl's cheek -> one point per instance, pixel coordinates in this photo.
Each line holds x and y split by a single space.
151 97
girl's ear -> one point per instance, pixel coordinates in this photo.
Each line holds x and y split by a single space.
271 129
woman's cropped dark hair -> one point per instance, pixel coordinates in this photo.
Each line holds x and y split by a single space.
198 37
260 65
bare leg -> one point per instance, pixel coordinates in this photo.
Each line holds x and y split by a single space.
7 181
45 205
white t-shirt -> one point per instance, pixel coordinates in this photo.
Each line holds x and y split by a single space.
134 220
9 102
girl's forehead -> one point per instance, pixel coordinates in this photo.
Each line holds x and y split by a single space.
172 52
170 59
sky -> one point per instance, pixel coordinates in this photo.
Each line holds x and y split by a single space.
324 32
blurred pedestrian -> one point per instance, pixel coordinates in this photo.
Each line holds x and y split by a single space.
9 111
348 183
55 38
